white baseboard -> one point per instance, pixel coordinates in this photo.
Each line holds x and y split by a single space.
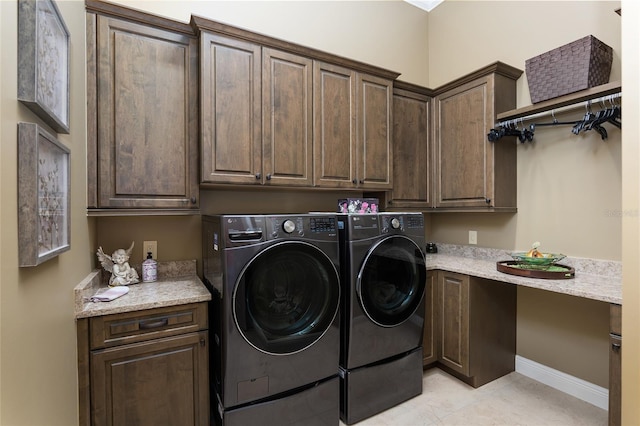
566 383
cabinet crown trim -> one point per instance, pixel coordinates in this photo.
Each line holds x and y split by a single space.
405 85
137 16
200 24
499 68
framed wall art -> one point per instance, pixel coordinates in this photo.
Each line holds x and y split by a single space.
43 195
43 62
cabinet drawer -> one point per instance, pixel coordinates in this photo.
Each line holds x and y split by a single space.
138 326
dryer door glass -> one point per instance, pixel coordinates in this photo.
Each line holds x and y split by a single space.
286 298
391 281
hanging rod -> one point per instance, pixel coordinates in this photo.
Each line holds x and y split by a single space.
605 95
552 111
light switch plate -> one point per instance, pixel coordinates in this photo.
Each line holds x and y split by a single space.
473 237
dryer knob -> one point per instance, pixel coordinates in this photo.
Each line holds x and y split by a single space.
288 226
395 223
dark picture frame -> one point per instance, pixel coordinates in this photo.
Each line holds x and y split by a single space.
43 195
43 62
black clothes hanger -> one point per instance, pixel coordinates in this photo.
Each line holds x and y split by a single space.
595 121
512 129
590 121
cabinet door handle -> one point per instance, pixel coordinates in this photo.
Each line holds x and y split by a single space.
193 200
616 346
355 181
258 175
268 176
487 200
156 323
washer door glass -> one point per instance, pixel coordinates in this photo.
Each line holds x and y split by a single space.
286 297
391 281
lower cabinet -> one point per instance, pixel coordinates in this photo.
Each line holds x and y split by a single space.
615 365
453 322
475 331
429 355
147 367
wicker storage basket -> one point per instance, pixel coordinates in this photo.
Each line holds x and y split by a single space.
576 66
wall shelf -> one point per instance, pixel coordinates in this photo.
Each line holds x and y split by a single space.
563 101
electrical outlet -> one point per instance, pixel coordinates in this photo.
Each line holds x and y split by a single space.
473 237
150 246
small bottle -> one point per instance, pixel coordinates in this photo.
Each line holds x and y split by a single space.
149 269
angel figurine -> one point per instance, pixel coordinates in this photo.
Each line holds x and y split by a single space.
118 265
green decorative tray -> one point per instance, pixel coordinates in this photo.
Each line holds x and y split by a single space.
546 259
554 271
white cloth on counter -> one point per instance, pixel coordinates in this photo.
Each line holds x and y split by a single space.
110 294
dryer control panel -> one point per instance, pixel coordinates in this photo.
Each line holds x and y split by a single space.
401 222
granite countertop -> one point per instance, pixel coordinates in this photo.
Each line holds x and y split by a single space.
177 284
594 279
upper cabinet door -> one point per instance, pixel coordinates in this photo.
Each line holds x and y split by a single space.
352 133
412 153
472 172
374 157
287 105
230 80
145 116
465 159
334 98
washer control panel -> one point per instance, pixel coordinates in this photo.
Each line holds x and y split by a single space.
323 225
289 226
315 226
285 226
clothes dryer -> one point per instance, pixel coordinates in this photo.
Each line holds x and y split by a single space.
274 316
383 275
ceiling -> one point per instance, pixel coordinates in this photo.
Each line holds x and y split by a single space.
427 5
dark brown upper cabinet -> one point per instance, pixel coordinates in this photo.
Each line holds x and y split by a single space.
142 108
472 173
413 168
274 113
255 114
352 113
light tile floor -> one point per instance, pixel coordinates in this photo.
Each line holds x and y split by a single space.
509 401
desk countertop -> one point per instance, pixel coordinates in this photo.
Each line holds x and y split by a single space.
594 279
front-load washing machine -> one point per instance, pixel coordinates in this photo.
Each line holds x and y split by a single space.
274 318
383 277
